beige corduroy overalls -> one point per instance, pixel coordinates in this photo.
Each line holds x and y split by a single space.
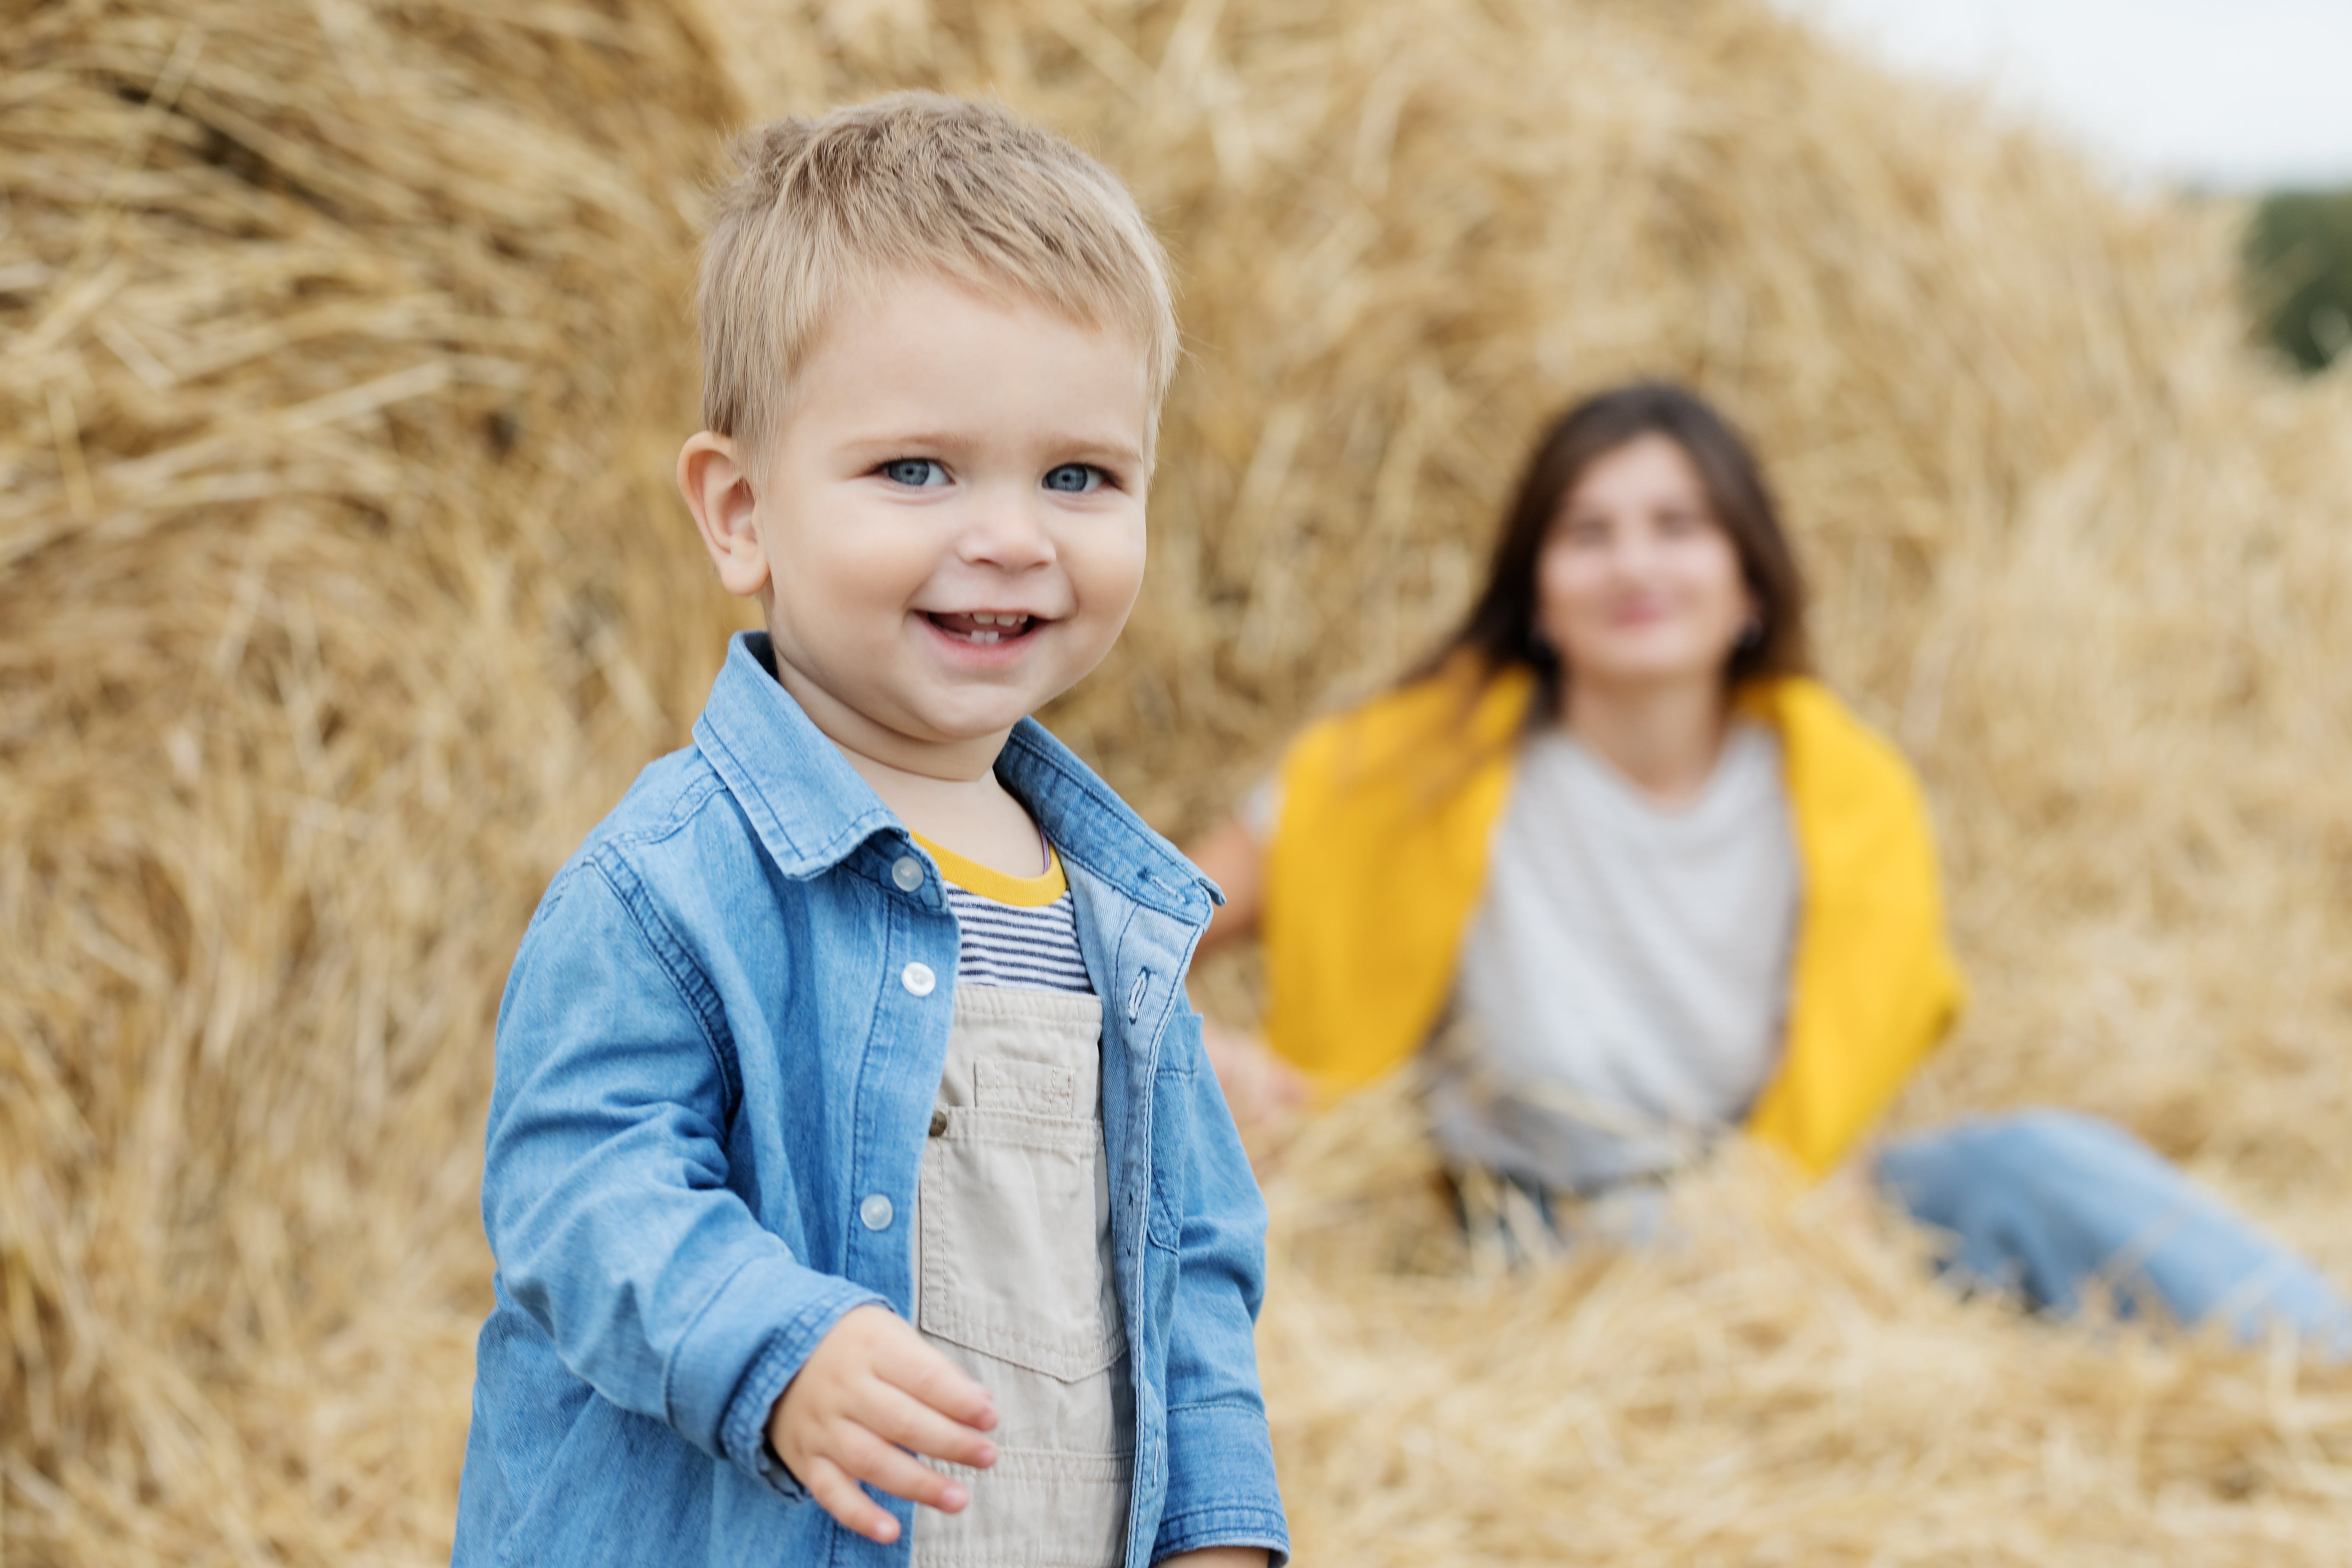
1012 1280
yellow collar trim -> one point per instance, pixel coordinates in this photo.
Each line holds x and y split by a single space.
1001 887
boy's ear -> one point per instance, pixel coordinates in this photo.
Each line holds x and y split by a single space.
718 490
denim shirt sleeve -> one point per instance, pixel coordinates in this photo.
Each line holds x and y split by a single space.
1221 1480
605 1187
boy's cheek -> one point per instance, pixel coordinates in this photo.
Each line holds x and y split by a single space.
1118 576
1112 604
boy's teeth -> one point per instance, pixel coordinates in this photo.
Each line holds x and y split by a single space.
985 627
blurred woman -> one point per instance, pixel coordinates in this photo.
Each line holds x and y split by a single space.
1622 878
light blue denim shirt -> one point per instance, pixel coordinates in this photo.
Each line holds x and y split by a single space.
715 1080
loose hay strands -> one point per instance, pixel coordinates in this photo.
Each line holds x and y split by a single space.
341 356
1775 1381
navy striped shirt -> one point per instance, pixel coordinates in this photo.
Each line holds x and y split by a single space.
1017 931
1006 944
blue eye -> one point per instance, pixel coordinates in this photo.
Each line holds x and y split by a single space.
1074 478
915 473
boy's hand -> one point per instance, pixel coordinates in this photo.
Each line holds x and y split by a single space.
871 1391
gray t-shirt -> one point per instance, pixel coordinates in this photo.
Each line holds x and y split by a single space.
1624 983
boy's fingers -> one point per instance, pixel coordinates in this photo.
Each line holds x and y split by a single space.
899 1417
919 1369
839 1496
900 1473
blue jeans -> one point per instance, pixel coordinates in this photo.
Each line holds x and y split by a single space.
2053 1204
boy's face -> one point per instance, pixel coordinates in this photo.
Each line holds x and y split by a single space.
951 531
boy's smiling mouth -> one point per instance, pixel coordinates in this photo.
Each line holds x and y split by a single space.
984 628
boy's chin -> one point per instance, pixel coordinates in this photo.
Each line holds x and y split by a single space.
954 723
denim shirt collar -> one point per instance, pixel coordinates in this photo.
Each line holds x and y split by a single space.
811 808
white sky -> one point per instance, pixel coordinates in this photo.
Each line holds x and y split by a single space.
2237 93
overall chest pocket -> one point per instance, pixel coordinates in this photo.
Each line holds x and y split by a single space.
1013 1266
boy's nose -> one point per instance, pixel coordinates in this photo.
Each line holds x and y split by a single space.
1009 533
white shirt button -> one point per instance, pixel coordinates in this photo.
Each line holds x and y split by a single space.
907 873
917 979
876 1211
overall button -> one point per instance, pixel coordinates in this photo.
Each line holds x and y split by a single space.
907 873
939 1124
876 1211
917 979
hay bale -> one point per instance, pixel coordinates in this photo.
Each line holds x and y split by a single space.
346 361
340 346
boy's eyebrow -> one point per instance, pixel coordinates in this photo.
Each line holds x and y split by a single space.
1113 448
940 439
1113 451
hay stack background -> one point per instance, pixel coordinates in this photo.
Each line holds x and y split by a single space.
341 359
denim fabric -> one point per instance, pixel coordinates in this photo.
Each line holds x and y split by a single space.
2053 1204
710 1061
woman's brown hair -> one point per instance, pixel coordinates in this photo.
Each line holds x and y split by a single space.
1501 629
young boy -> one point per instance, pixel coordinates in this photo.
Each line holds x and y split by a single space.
852 1146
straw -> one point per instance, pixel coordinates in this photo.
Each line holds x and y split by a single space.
343 355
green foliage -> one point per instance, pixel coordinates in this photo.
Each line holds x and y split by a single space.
2299 273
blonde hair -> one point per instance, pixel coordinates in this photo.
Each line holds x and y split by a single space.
820 209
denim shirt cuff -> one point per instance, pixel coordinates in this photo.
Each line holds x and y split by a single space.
1239 1526
1222 1490
743 1430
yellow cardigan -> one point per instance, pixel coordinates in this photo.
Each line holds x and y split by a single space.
1380 856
